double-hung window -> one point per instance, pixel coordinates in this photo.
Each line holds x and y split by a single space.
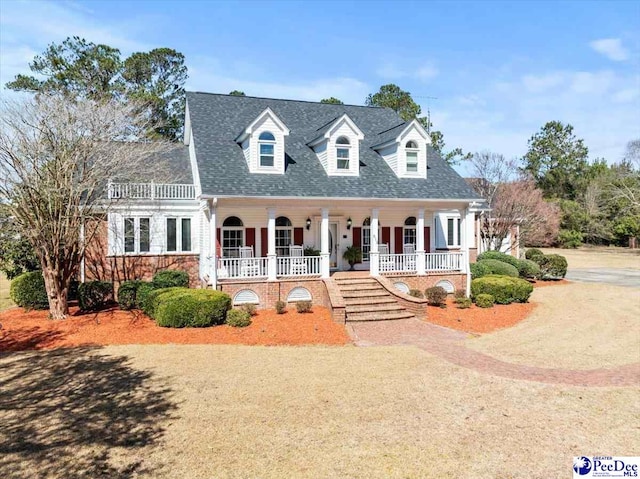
178 234
232 237
411 151
453 231
137 235
409 231
342 153
267 143
284 235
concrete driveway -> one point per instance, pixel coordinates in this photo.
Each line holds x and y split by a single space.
614 276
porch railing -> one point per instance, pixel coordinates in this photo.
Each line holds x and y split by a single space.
445 262
397 263
230 268
298 266
151 191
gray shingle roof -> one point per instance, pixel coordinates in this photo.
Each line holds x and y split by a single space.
217 119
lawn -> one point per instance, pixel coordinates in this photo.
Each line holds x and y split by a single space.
5 301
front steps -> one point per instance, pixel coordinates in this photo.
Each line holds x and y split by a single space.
366 300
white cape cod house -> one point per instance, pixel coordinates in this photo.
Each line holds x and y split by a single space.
279 189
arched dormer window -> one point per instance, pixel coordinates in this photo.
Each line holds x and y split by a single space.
284 235
411 150
342 152
409 230
232 237
266 144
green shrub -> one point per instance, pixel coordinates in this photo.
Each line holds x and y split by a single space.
484 300
95 295
570 238
154 297
505 258
281 307
459 294
183 307
436 295
303 306
463 303
416 293
252 309
528 269
238 318
504 289
142 293
170 278
478 270
533 253
499 267
552 266
127 294
28 291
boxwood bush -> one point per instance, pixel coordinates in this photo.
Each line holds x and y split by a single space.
504 289
281 307
303 306
532 253
528 269
95 295
478 270
183 307
153 297
238 318
170 278
484 300
499 267
436 295
127 293
27 291
142 294
552 266
505 258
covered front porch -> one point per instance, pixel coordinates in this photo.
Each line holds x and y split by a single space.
306 239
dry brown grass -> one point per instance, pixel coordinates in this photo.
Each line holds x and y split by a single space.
303 412
576 326
599 257
5 301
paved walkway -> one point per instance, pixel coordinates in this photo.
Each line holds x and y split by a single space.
447 344
616 276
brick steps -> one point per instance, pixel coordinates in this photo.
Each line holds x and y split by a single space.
366 300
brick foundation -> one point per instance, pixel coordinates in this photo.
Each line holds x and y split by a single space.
459 280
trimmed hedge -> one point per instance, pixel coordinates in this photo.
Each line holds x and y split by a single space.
485 300
183 307
127 294
505 258
28 291
142 294
499 267
504 289
478 270
463 303
238 318
94 295
436 295
528 269
170 278
552 266
532 253
154 296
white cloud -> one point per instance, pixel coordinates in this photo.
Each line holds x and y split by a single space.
390 71
542 83
611 48
426 72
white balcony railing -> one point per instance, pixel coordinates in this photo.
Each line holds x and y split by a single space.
445 262
298 266
246 268
398 263
151 191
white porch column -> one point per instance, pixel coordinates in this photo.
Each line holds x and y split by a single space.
325 266
213 266
272 262
374 258
464 247
421 263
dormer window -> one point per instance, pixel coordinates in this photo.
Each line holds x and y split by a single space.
267 143
342 152
411 150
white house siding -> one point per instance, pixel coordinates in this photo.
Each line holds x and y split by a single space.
390 155
321 151
246 151
194 167
440 229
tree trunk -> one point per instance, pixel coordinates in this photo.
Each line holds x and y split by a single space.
57 290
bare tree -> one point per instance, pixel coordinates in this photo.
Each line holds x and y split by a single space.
515 201
56 158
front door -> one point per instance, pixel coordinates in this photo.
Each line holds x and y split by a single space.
333 245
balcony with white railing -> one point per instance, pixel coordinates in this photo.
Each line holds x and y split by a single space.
151 191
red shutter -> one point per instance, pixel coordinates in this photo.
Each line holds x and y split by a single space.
386 235
250 236
357 237
264 246
399 240
298 236
427 239
218 243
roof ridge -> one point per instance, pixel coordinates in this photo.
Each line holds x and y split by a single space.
328 123
284 99
389 129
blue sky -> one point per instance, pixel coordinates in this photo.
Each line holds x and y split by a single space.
499 70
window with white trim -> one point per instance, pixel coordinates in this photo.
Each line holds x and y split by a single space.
409 231
266 146
284 235
342 152
411 152
453 231
232 237
365 243
137 235
178 234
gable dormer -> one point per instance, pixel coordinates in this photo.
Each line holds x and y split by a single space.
404 148
337 146
263 143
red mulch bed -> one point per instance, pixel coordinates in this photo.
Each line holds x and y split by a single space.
23 330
